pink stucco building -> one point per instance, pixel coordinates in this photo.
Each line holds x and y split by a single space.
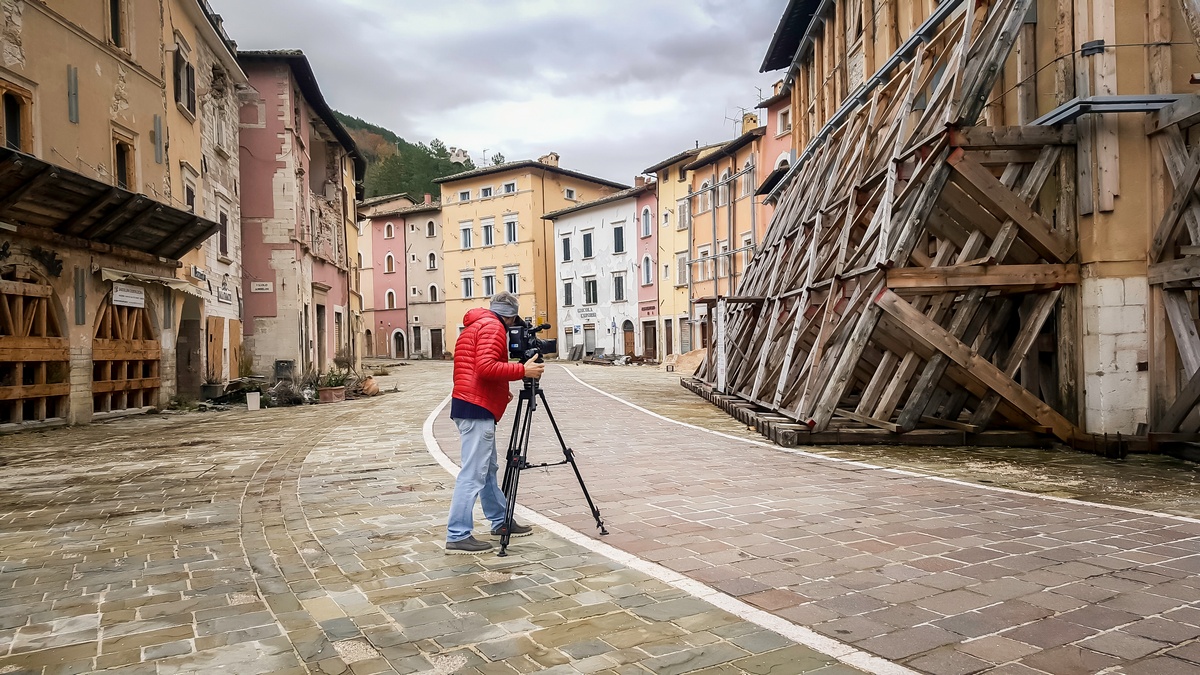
298 194
648 274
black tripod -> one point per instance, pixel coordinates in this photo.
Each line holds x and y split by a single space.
518 452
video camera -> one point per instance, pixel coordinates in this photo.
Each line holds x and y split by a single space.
524 344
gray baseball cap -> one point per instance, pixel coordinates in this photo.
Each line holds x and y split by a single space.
505 304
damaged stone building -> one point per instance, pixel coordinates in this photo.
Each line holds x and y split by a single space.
299 169
95 220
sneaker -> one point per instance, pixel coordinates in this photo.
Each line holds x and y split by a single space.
518 530
467 546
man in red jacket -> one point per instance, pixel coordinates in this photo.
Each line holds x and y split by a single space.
482 372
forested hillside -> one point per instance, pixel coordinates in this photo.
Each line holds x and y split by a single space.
394 165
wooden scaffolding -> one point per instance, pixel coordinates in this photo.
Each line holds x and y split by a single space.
910 286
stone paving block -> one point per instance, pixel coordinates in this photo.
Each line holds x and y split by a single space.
1050 633
904 643
693 659
947 661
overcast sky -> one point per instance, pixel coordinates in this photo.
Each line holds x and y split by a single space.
613 86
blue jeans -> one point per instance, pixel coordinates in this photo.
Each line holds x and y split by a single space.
476 479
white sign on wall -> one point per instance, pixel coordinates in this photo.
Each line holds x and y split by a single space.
124 295
224 295
261 286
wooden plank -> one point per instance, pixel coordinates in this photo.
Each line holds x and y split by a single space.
25 289
141 351
1180 269
1018 353
1003 157
1185 112
1183 327
113 386
1168 227
87 212
34 391
869 421
1184 403
951 424
1108 162
955 277
983 185
919 327
1012 138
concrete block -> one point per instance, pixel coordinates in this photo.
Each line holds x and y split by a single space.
1107 354
1091 320
1133 319
1137 291
1135 341
1127 360
1110 292
1112 319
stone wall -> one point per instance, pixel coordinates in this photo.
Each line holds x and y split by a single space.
1115 378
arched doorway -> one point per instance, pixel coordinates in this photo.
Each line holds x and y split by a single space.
370 343
189 373
398 351
34 354
126 356
627 328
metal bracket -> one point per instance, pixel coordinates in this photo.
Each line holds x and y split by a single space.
1091 48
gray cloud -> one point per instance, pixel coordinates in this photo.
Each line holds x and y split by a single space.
612 86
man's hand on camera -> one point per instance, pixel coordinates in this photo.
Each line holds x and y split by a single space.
534 369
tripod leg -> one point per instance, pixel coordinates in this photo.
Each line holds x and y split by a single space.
513 443
518 452
569 454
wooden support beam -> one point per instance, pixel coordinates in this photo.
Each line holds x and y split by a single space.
1185 112
1183 327
919 327
1184 403
960 277
179 249
982 185
1171 271
119 211
1168 227
1012 138
132 223
87 212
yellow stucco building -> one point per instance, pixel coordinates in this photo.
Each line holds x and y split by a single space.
495 238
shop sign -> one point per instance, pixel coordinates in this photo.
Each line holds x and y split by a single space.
262 286
124 295
224 295
587 314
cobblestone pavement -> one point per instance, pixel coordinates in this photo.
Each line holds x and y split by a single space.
939 575
309 540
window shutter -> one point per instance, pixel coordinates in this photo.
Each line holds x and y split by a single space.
80 296
176 79
158 139
191 89
73 94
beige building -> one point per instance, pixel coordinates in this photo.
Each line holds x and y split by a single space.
91 228
496 239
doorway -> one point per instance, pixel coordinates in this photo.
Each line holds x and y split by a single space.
398 345
630 346
321 338
668 338
650 341
589 338
416 341
435 343
188 372
370 344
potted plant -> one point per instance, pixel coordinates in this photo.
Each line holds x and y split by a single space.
332 387
213 386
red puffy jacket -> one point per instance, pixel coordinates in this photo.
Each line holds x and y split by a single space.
482 370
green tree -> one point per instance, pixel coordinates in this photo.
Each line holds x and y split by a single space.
497 159
394 165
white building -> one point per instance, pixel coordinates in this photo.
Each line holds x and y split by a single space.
598 271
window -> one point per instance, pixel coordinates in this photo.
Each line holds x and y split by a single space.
748 250
465 232
511 279
570 193
484 193
702 262
785 121
647 271
685 214
705 198
647 223
415 291
489 284
618 239
433 293
389 232
666 218
619 287
185 79
416 338
747 180
360 260
464 196
666 272
412 227
723 260
116 23
587 245
510 188
568 296
682 175
223 233
391 299
723 189
432 261
123 171
389 264
666 174
414 258
681 268
430 229
566 249
468 287
489 232
589 291
15 109
510 231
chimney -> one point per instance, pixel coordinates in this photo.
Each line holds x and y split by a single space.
550 159
749 122
428 198
639 181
